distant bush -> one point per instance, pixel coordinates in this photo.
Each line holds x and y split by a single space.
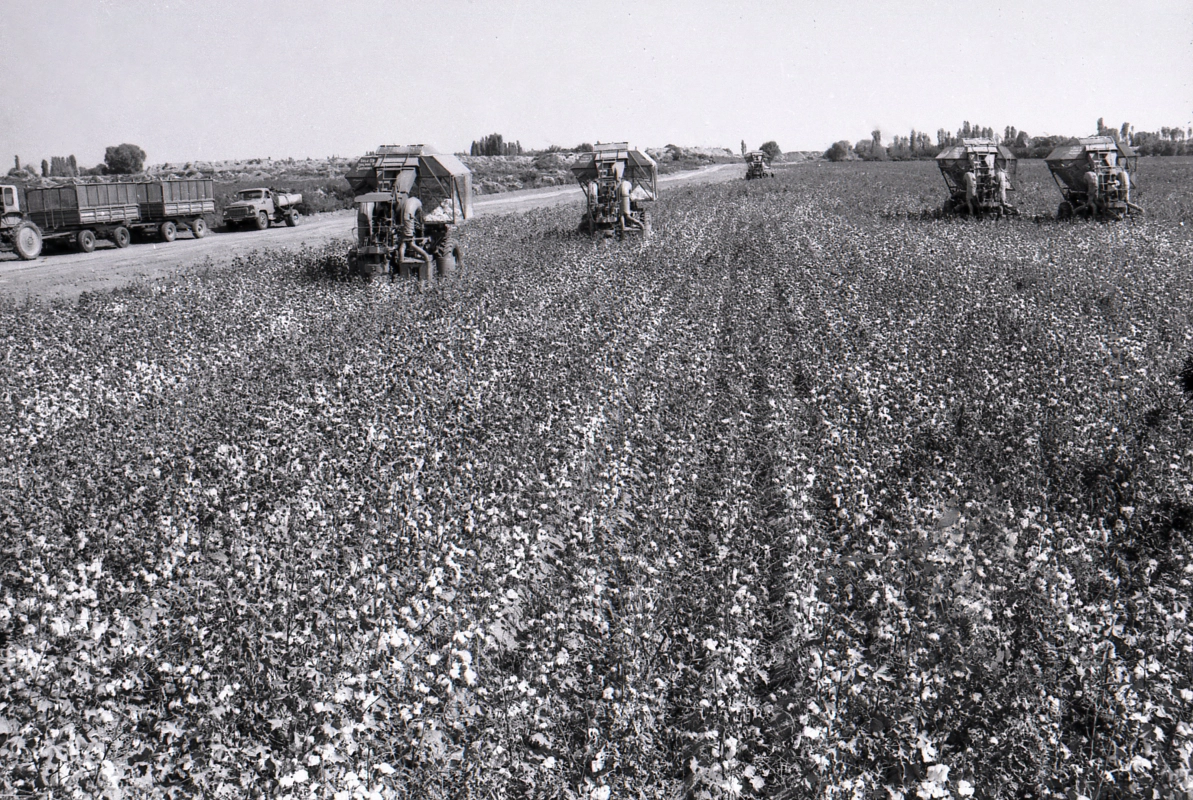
124 159
840 151
772 150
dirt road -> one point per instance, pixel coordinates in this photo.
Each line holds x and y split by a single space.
64 274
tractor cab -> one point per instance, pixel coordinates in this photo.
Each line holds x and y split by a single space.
10 202
616 182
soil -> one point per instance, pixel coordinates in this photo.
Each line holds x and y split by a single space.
64 274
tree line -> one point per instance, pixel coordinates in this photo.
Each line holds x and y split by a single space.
1174 141
120 159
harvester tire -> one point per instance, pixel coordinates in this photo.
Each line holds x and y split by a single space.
121 237
262 221
292 219
198 227
1064 210
27 241
168 231
86 241
646 230
458 255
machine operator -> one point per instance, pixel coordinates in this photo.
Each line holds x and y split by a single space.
410 212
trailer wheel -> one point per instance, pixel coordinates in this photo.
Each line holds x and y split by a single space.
86 241
292 219
27 241
262 220
198 227
168 231
121 237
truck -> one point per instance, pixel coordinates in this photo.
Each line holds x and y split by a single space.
260 207
79 214
167 204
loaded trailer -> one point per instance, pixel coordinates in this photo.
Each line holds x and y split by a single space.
168 204
82 214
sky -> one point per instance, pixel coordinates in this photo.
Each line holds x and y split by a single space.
310 78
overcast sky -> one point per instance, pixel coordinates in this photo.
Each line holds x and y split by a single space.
299 78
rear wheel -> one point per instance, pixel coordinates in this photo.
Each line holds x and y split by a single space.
27 241
168 231
458 255
262 220
198 227
121 237
292 219
86 241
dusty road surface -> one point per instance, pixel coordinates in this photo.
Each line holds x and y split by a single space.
62 273
66 274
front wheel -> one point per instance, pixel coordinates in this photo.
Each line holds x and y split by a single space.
121 237
168 231
262 220
86 241
27 241
199 227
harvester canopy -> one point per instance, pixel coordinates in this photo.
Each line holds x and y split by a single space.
608 159
757 156
954 161
439 180
1069 162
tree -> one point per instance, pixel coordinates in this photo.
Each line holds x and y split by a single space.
45 168
771 149
743 147
124 159
840 151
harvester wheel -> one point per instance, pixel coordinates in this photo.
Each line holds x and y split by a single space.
292 219
168 231
198 227
646 231
121 237
458 255
27 241
86 241
1064 210
262 221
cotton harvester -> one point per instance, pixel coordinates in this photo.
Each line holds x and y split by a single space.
389 226
616 181
978 174
1095 177
756 165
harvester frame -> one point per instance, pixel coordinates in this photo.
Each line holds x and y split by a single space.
1104 156
983 157
383 179
757 162
600 174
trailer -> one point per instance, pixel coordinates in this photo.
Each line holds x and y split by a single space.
167 204
82 213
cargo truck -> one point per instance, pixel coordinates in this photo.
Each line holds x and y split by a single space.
260 207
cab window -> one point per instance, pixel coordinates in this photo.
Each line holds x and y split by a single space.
9 200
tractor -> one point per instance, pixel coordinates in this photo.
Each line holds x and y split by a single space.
1095 177
616 181
756 165
989 164
384 180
